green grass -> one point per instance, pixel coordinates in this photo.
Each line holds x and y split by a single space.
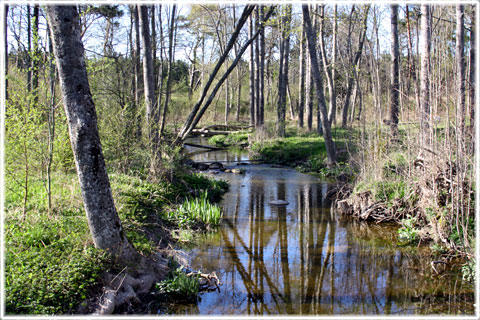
51 265
198 210
178 287
233 139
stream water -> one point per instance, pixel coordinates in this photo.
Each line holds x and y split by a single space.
303 259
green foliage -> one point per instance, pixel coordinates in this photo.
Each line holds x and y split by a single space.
197 210
178 287
199 183
49 269
469 271
385 191
232 140
408 232
288 150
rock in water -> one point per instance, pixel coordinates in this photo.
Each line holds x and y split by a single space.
216 166
278 202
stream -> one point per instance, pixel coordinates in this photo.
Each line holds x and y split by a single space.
303 259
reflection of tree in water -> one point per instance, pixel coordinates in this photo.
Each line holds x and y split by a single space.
308 261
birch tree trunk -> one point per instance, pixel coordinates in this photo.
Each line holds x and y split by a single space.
103 220
330 146
394 72
425 43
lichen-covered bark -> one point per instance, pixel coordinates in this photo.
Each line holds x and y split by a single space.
98 201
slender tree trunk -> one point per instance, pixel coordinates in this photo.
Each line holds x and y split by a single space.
332 113
252 74
138 72
261 106
394 75
326 68
358 53
5 29
151 114
283 71
196 114
460 61
189 123
257 69
413 70
35 55
171 44
317 75
471 87
425 44
309 94
154 46
102 217
301 82
51 122
29 48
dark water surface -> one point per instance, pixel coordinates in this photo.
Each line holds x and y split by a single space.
302 259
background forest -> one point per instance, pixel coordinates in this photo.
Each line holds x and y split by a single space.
387 90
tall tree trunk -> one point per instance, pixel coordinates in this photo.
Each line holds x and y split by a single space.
460 61
252 74
51 121
283 72
358 53
332 112
394 84
317 75
29 48
261 106
102 217
36 54
413 69
327 68
257 69
301 82
151 114
171 44
471 87
154 46
5 29
425 43
138 74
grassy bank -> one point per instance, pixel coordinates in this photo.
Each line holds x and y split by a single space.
306 151
53 253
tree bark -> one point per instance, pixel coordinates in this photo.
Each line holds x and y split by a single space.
252 74
394 83
261 106
257 68
151 114
413 69
29 47
425 43
301 82
328 68
103 220
330 146
471 87
6 50
460 61
283 71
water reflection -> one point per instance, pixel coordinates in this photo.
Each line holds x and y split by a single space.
298 259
